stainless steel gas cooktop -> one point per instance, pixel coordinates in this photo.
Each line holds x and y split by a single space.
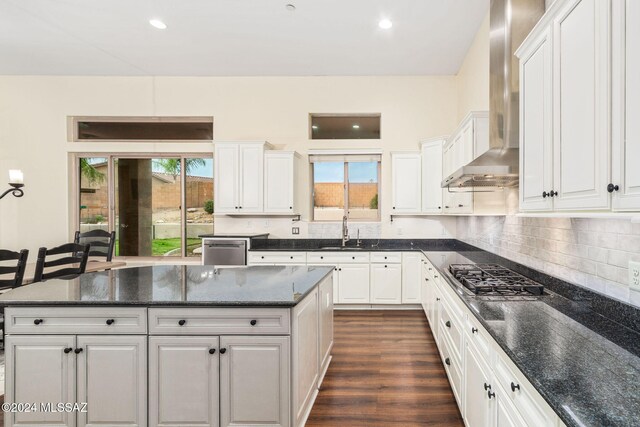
493 280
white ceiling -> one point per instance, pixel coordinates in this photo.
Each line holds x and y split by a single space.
236 37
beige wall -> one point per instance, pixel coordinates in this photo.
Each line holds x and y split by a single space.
33 133
473 78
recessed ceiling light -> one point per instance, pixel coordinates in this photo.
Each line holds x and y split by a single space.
158 24
385 24
314 126
290 7
356 126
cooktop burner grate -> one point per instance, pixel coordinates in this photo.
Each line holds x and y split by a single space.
494 280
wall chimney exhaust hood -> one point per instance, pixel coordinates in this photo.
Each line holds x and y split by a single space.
510 22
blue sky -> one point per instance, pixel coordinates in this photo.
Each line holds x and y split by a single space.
334 172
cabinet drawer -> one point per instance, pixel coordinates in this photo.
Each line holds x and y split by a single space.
337 257
218 321
452 328
479 336
386 257
452 366
76 320
526 399
277 257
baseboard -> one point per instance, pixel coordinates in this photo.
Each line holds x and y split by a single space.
307 411
377 307
324 371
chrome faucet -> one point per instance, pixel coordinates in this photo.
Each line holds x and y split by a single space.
345 231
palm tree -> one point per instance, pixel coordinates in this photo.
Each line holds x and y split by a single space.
172 166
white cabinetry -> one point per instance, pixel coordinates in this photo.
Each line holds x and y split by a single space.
238 177
626 105
254 381
353 283
411 277
386 283
406 183
281 174
479 392
432 176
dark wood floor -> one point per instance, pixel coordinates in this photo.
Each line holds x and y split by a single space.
385 371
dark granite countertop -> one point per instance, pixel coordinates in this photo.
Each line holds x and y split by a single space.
235 235
367 245
585 365
176 285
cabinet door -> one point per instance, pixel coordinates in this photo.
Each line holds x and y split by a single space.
411 275
406 183
432 177
39 370
225 178
626 105
112 380
506 414
251 178
386 283
184 381
279 182
581 105
353 283
254 381
325 300
536 143
466 144
478 405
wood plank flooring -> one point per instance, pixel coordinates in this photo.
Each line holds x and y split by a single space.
386 371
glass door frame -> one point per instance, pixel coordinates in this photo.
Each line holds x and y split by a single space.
74 199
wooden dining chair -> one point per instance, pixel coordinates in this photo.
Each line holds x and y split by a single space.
72 265
102 242
11 275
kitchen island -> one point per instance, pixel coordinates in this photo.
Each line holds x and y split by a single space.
170 346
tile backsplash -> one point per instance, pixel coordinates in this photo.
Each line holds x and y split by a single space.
593 253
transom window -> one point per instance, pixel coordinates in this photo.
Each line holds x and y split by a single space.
346 185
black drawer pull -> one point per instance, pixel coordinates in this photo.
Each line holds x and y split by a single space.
223 350
447 361
67 350
474 330
110 322
253 322
37 321
515 387
448 323
491 394
181 322
487 386
212 351
437 299
77 351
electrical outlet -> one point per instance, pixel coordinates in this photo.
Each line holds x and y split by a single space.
634 275
295 230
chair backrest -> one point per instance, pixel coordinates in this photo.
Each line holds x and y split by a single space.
17 270
102 242
73 264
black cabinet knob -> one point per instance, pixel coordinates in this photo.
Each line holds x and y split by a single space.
545 194
353 257
335 268
439 207
110 321
37 321
253 322
262 257
553 193
321 257
77 351
491 394
290 207
487 386
515 387
67 350
339 269
611 188
437 299
385 266
212 351
223 350
181 322
385 257
426 279
394 207
448 323
460 205
474 330
447 361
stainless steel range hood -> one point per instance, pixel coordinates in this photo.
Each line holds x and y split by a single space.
510 21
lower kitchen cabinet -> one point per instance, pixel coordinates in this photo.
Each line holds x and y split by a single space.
479 393
411 277
108 373
386 283
506 414
183 381
254 381
353 283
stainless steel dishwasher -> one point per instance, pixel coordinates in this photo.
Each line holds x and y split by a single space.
224 252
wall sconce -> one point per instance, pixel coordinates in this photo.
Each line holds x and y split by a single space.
16 181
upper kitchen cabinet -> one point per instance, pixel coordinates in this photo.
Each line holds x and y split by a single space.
406 183
238 177
581 102
536 139
432 175
281 174
580 77
626 105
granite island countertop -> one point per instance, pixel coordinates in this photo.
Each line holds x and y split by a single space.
586 366
176 285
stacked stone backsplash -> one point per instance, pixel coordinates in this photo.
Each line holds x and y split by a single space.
593 253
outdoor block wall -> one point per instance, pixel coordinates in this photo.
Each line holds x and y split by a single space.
331 194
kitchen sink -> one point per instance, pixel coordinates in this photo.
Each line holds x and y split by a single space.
340 248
